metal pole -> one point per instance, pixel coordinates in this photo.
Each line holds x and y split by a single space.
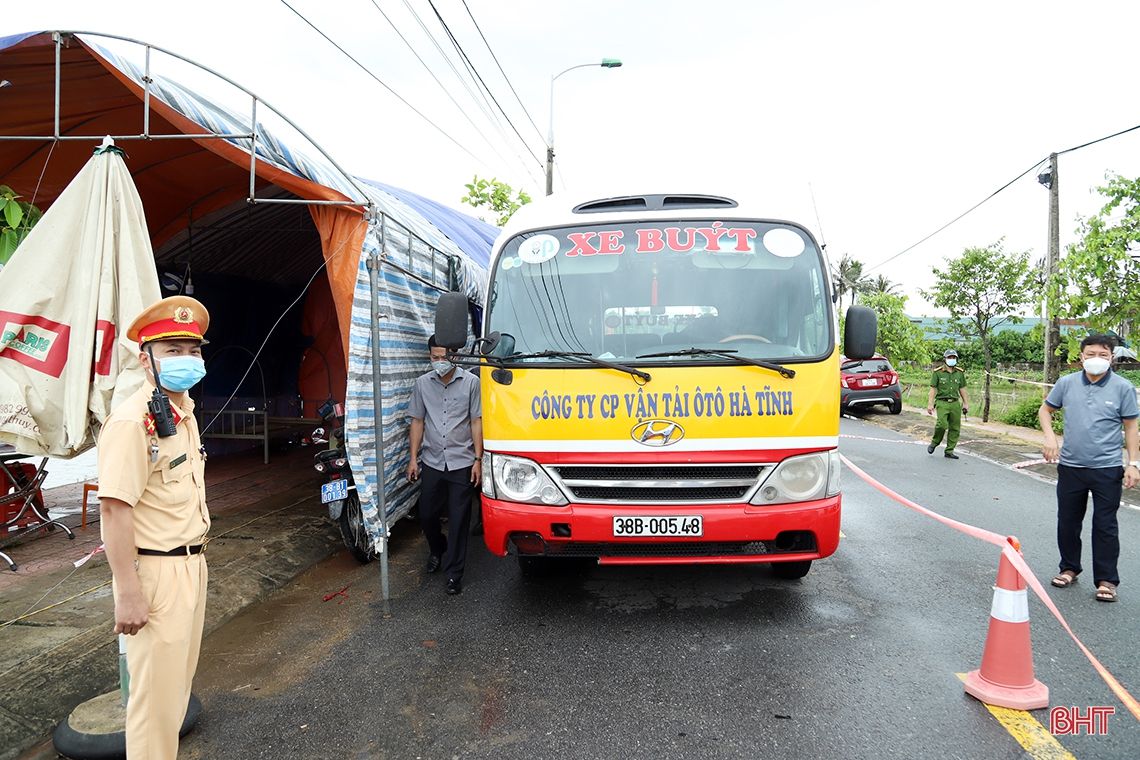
58 47
124 674
1052 329
253 152
378 420
146 95
550 141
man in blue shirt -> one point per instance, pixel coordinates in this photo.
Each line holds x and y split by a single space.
446 435
1096 402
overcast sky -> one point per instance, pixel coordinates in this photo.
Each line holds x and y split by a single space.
898 115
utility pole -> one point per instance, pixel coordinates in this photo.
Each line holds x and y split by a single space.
1052 329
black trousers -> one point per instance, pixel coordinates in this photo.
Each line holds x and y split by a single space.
450 491
1074 484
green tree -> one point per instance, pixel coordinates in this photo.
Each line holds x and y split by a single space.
983 289
900 340
498 196
882 284
849 278
16 220
1099 281
1012 347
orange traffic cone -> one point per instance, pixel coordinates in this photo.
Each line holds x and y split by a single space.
1006 676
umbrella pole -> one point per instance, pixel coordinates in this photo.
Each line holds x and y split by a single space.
378 412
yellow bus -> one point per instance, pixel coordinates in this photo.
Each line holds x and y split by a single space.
660 384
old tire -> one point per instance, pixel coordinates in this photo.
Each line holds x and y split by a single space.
353 532
791 570
83 745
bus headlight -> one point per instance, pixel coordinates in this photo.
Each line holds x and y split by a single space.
802 478
524 481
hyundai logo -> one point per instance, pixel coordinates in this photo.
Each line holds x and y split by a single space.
657 432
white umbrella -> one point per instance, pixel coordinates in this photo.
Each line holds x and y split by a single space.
66 297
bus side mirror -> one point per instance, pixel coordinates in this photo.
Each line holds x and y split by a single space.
451 321
860 333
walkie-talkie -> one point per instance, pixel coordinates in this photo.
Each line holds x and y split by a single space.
163 415
159 405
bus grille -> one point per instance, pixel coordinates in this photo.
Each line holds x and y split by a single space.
660 484
678 549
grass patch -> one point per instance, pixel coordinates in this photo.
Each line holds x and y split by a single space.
1005 396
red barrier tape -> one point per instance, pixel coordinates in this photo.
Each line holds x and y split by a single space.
1022 568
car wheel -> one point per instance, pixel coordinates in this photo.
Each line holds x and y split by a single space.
791 570
896 407
534 567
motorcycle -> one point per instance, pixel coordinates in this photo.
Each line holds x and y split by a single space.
338 492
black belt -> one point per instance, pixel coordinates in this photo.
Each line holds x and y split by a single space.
176 552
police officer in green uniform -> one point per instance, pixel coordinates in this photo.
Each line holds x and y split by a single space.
948 395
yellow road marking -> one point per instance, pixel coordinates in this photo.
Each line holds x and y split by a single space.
1033 737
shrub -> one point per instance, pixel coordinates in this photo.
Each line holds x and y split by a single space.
1024 414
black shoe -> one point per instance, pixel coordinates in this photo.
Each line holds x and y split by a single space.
930 449
433 564
951 455
454 586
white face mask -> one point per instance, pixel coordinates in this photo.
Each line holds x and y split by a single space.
951 362
442 367
1096 365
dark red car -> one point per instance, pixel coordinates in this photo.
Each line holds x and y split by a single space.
869 381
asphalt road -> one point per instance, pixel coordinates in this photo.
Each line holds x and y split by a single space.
857 660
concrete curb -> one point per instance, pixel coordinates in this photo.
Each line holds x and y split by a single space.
257 550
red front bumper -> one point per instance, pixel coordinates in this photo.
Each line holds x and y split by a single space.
733 533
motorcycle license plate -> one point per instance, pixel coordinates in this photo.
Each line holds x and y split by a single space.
659 525
334 490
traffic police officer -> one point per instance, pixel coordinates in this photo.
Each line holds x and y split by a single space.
948 393
154 522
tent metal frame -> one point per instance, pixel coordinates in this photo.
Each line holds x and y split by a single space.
372 215
251 136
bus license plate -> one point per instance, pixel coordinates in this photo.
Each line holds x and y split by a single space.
658 525
334 490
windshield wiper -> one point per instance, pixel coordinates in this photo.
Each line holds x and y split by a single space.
580 355
729 354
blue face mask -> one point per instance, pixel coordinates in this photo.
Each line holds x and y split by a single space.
181 373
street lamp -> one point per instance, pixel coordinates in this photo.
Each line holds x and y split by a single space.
607 63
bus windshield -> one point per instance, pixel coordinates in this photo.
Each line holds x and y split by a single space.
619 291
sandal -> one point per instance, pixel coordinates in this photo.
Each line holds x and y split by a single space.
1064 579
1106 592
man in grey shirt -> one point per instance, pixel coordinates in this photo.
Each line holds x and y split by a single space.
1097 402
447 420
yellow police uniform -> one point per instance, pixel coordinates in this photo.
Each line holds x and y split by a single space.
163 480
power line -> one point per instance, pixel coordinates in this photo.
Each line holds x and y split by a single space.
1000 189
437 80
475 93
504 73
1099 139
382 83
495 100
955 219
472 92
